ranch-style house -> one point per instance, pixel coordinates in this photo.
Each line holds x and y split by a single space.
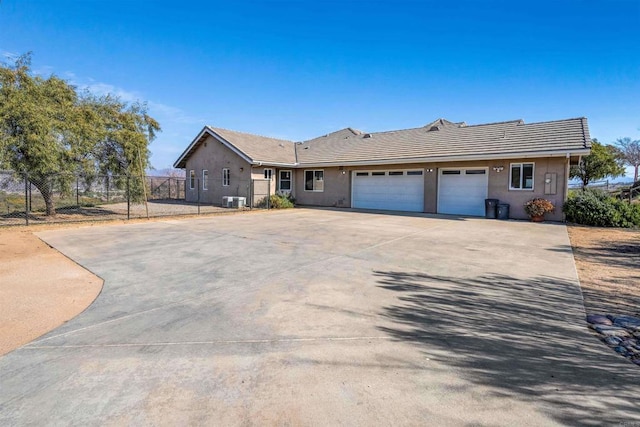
443 167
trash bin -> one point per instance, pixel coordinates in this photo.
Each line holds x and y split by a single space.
490 208
503 211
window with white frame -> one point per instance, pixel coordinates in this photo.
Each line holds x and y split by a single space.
192 179
314 180
521 176
205 179
226 177
268 174
285 181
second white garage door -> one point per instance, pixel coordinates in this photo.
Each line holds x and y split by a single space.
389 190
461 191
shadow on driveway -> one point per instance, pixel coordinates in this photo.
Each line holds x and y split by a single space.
516 337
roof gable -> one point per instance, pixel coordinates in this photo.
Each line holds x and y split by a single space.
252 148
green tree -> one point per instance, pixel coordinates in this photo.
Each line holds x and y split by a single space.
604 161
631 152
50 132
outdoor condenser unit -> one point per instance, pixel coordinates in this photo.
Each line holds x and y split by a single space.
239 202
227 201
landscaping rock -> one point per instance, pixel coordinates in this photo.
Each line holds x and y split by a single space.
612 331
622 350
627 322
612 341
622 333
599 319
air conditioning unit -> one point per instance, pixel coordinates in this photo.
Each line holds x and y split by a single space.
227 201
239 202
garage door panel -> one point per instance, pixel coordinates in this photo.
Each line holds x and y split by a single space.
462 191
389 192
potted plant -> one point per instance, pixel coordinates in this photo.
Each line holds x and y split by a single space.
536 208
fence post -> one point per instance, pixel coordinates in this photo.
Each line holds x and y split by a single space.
26 199
169 188
107 179
268 194
128 197
77 191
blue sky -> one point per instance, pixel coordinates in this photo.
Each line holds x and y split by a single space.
299 69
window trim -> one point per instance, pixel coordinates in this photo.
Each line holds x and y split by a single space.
205 179
192 179
290 180
226 177
533 176
314 174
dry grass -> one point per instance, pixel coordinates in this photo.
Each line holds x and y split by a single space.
608 264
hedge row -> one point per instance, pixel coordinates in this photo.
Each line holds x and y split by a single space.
597 208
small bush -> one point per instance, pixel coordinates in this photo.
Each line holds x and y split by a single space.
278 201
596 208
538 207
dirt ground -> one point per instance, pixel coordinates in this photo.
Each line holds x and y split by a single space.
608 263
41 289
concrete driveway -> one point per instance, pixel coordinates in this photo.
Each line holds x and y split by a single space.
322 317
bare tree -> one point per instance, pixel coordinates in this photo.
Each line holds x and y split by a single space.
631 153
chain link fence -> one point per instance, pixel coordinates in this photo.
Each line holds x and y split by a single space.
623 191
27 199
252 194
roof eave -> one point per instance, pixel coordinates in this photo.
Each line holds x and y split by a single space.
275 164
436 159
181 162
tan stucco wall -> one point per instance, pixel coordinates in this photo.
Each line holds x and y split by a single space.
257 172
337 186
499 186
213 156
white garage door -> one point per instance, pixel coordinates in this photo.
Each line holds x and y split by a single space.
389 190
461 191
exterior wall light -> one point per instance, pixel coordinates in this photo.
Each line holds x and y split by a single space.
498 168
429 170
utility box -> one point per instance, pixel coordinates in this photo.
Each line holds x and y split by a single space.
227 201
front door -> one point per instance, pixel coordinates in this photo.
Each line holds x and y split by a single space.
284 181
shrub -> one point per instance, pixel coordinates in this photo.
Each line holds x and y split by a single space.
596 208
538 207
277 201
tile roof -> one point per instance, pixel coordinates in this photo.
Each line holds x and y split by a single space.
450 140
253 148
438 140
259 148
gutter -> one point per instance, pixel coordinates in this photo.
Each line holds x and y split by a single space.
537 154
